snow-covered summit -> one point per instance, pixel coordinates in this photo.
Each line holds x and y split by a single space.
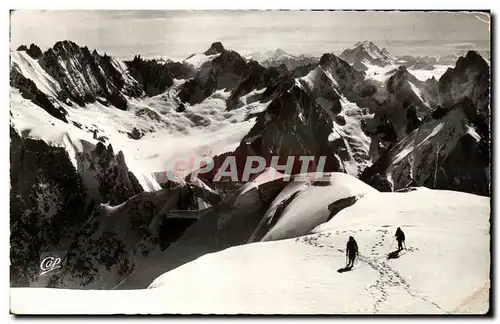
367 53
280 57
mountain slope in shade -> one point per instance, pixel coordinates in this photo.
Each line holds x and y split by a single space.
443 153
105 249
450 148
452 58
404 100
155 77
228 223
469 78
217 69
86 77
417 62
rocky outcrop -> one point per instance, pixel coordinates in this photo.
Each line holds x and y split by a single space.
215 48
470 78
48 205
228 223
309 116
33 51
443 153
450 149
156 77
451 59
96 216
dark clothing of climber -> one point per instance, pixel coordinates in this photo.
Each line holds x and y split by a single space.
351 251
400 237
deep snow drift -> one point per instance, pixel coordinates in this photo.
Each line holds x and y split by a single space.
444 271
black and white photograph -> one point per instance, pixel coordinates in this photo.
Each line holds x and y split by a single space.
250 162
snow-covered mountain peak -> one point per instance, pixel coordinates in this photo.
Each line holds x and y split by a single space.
366 53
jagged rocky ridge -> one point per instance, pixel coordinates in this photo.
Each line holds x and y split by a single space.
82 76
450 149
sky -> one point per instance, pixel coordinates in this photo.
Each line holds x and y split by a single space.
178 34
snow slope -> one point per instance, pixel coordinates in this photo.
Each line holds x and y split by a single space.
444 271
310 207
197 60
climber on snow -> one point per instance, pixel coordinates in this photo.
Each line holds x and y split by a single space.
400 237
351 251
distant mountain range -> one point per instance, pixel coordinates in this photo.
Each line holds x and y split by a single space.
280 57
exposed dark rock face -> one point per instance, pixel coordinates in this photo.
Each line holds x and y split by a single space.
102 169
229 223
340 204
469 78
399 107
48 205
33 51
256 78
135 134
114 239
299 121
29 90
450 149
86 77
156 77
227 70
446 152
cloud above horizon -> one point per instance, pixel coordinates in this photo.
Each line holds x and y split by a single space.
177 34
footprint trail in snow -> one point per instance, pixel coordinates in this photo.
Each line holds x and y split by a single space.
387 277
